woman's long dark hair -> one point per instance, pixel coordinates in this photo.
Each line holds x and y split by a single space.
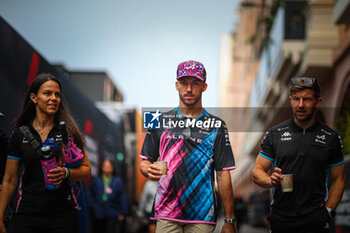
28 111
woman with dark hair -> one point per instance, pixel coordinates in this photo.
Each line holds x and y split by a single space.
44 147
107 200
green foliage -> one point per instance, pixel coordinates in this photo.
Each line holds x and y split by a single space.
268 21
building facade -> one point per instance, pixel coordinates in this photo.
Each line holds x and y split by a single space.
274 41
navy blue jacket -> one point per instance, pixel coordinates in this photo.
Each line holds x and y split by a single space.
116 204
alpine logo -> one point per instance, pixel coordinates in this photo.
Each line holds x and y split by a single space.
323 137
286 136
320 139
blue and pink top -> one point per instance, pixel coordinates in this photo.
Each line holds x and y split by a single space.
193 149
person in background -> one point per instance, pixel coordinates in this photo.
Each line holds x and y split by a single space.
107 200
146 204
46 201
309 150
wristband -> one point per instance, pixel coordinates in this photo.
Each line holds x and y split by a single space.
67 172
232 221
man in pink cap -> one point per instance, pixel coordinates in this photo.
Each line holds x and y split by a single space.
194 144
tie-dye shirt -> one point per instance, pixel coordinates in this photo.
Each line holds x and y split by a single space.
193 148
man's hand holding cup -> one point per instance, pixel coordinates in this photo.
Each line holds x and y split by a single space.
276 177
157 170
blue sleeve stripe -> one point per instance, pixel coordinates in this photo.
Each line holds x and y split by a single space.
13 157
266 157
336 164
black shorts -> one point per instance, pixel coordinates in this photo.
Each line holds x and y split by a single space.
66 222
316 222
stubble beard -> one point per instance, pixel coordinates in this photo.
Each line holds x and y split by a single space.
195 100
307 117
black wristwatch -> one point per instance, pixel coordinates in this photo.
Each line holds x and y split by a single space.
331 212
232 221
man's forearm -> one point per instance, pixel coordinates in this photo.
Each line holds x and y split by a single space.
144 166
336 192
261 178
226 193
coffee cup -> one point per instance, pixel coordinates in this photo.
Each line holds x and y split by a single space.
163 166
287 183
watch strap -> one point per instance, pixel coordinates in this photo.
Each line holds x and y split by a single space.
231 220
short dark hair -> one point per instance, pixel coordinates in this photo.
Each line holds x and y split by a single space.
300 84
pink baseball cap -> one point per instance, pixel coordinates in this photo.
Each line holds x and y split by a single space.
191 69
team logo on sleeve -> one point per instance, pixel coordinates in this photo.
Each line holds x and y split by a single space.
341 143
151 120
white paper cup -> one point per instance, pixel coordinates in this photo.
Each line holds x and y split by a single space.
287 183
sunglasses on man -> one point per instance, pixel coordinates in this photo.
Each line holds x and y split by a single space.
308 81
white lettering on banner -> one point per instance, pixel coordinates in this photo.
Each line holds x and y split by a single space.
206 124
209 123
191 122
168 115
217 124
181 124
